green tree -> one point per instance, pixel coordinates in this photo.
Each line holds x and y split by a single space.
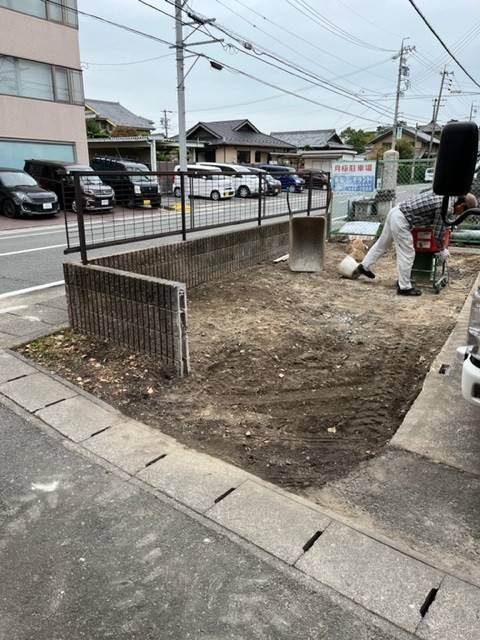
94 130
357 138
404 148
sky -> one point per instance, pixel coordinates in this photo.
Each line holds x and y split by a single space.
347 43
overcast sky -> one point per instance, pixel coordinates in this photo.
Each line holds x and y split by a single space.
285 31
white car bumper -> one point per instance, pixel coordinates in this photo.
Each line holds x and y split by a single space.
470 378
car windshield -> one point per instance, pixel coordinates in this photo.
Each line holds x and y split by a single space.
139 168
17 179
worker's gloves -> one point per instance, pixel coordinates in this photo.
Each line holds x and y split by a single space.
444 254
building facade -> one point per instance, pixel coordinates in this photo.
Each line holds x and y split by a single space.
41 85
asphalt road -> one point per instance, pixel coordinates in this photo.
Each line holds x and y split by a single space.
32 250
85 554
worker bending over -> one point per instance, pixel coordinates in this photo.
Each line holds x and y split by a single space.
424 210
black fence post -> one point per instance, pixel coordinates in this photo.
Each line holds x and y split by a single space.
80 220
259 199
309 198
182 205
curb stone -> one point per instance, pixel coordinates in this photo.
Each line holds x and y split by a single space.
294 539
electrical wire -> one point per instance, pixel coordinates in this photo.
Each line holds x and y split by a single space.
210 59
443 43
124 64
302 6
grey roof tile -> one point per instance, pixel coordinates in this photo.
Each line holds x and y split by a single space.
118 114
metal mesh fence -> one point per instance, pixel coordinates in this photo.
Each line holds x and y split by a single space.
107 208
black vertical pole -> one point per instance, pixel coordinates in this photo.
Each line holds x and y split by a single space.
80 220
182 204
309 199
259 199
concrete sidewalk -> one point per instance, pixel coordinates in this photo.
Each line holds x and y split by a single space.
87 553
31 315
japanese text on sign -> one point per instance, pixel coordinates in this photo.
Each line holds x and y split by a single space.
357 176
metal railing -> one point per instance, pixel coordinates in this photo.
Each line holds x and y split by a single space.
104 209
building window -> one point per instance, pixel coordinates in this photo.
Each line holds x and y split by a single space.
28 79
258 156
243 157
13 153
63 11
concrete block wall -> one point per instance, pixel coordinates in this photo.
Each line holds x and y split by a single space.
147 315
138 299
204 259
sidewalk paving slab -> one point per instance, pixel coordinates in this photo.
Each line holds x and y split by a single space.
129 445
18 326
12 367
454 614
194 479
78 418
270 520
36 391
372 574
426 507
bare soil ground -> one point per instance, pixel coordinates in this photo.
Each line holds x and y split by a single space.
295 377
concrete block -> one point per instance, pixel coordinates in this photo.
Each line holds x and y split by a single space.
269 519
129 445
379 578
36 391
193 479
12 367
455 613
78 418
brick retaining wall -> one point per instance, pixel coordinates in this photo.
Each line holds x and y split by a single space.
138 299
204 259
147 315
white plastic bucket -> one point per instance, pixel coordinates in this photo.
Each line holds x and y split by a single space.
347 267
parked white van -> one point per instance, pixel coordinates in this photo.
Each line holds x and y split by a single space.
245 185
209 183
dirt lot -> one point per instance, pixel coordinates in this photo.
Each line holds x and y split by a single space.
296 377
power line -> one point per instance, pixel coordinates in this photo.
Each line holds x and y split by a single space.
124 64
331 27
443 43
220 63
248 45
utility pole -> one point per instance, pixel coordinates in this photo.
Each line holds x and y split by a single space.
165 121
473 111
182 138
412 174
402 76
437 105
180 43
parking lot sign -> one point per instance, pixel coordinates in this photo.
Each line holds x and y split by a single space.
356 176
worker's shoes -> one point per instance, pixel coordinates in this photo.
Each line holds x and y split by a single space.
413 291
361 271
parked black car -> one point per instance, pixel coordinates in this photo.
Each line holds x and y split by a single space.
319 178
130 190
58 177
21 195
273 186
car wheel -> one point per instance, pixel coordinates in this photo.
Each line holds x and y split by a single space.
291 188
243 192
9 209
215 195
177 192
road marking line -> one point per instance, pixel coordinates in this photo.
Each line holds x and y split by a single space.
39 287
12 309
15 253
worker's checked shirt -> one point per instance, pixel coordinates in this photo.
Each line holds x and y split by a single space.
425 210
